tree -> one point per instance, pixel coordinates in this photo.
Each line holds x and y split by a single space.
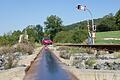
102 28
34 33
39 29
107 23
16 35
117 18
10 38
53 25
62 37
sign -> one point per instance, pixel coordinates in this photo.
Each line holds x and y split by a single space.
80 7
93 34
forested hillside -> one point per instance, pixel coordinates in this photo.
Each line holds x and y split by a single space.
109 22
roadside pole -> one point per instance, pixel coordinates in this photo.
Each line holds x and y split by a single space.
92 34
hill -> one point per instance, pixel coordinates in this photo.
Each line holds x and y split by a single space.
108 22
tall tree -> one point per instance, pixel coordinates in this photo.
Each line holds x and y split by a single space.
53 25
117 17
10 38
34 32
15 35
39 29
107 23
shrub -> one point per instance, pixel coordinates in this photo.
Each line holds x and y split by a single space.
12 54
90 62
11 61
6 49
65 55
71 36
25 48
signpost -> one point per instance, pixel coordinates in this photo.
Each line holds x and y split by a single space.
91 37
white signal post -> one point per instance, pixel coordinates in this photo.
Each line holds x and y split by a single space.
93 32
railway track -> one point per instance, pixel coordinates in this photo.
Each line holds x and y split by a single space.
46 66
98 47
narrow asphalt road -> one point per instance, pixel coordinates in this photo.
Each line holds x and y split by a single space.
47 67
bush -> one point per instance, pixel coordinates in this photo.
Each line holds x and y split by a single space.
90 62
11 55
71 36
6 49
65 54
11 61
25 48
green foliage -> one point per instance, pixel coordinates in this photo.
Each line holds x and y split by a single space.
10 39
102 28
90 62
79 35
53 25
62 37
34 33
40 33
12 53
81 25
16 34
72 36
117 18
107 23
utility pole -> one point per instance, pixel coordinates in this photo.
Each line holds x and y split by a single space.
91 37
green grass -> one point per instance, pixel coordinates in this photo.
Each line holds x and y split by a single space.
111 34
107 41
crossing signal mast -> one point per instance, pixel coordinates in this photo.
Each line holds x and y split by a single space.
92 34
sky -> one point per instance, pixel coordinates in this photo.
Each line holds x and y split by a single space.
18 14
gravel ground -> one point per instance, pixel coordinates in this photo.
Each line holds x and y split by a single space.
18 72
83 74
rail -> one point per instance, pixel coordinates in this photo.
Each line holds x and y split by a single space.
98 47
46 66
